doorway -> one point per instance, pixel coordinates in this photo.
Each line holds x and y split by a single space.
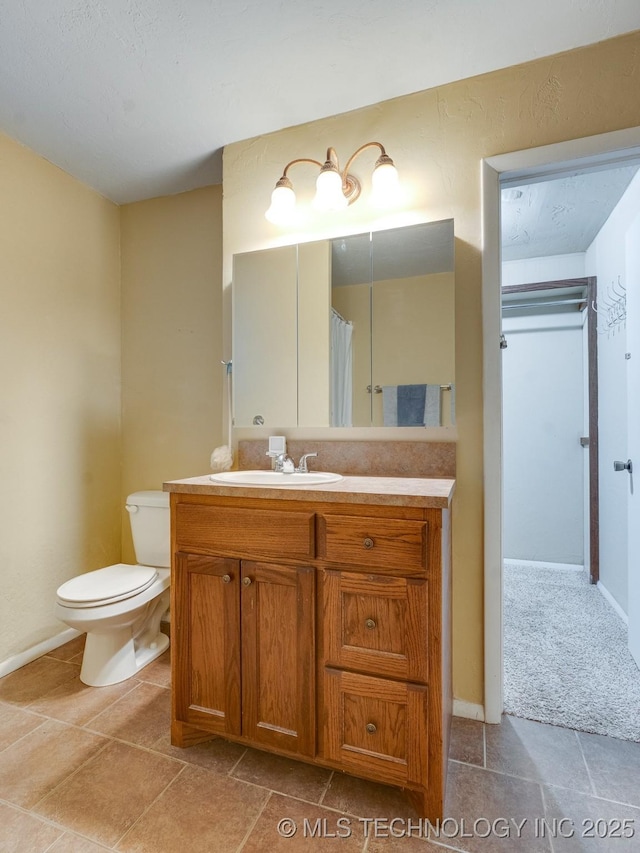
550 423
538 164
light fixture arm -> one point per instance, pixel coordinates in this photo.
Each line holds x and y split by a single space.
383 158
299 160
350 184
284 180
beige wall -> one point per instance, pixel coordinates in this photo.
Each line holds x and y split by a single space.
172 379
59 390
438 139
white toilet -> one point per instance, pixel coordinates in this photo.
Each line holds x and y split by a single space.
120 606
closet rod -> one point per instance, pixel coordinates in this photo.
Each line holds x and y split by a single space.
514 306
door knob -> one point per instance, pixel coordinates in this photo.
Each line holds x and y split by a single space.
226 578
368 543
623 466
371 728
370 623
247 581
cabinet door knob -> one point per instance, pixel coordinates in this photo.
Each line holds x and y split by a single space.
226 578
247 581
371 728
368 542
370 623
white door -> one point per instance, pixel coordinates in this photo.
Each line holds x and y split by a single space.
633 423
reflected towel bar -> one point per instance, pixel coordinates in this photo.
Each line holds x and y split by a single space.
377 389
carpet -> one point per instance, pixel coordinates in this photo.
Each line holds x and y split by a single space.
566 660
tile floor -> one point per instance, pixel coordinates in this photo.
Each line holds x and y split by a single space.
84 770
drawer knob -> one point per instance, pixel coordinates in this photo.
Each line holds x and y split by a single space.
368 543
371 728
370 623
247 581
226 578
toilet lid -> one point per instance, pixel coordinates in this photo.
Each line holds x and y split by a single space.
104 586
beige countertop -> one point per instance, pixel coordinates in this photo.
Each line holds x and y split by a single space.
385 491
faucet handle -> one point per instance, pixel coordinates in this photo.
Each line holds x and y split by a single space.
302 467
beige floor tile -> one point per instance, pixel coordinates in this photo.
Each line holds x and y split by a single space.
109 793
158 671
200 812
24 833
217 755
580 819
367 799
140 717
74 844
35 680
70 650
467 741
31 768
614 766
408 844
283 774
303 827
537 751
75 702
483 803
14 723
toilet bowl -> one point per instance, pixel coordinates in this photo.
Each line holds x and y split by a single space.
121 606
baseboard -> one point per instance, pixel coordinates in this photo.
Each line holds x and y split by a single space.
29 655
606 594
543 564
468 710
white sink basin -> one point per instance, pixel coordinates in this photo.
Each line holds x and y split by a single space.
274 478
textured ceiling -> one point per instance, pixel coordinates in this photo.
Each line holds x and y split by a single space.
137 97
560 216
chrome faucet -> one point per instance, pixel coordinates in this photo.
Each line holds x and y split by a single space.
302 466
284 464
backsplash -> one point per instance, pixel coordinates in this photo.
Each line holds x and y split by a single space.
362 458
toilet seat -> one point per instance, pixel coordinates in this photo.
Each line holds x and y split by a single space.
106 586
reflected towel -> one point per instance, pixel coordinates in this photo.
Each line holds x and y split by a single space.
432 410
411 405
390 405
412 400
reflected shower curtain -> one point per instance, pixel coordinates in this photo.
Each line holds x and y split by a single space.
341 371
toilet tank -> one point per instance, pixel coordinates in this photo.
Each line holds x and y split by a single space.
150 527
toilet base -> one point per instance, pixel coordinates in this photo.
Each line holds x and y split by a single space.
113 657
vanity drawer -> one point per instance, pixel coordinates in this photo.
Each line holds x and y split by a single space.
245 532
377 727
386 543
376 624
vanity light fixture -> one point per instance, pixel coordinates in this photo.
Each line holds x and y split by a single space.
335 189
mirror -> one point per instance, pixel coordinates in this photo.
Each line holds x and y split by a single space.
355 331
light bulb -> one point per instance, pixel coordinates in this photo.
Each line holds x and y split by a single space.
329 194
283 203
385 184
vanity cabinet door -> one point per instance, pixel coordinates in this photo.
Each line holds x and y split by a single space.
377 727
376 624
206 637
278 656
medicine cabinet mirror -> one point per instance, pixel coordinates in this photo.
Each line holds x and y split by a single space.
354 331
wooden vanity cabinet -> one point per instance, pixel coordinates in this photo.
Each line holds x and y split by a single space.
316 630
244 636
